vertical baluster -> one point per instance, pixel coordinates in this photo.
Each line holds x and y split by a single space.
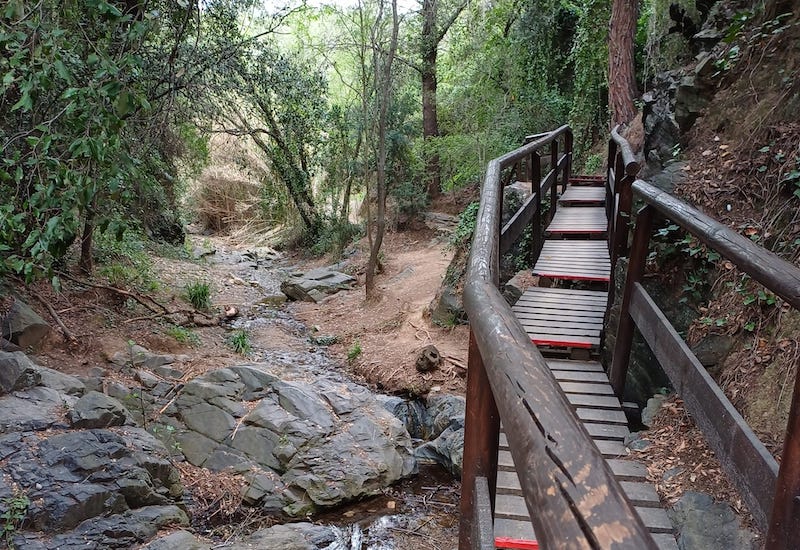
638 259
536 221
554 187
481 437
784 528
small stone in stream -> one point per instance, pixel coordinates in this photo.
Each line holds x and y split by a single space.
428 359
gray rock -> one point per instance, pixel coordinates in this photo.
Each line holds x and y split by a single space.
168 372
17 372
672 472
652 408
38 408
97 410
447 450
177 540
713 349
513 289
444 410
314 285
138 356
412 413
23 326
289 536
447 308
703 524
63 383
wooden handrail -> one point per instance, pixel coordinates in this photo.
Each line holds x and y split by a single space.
572 496
772 494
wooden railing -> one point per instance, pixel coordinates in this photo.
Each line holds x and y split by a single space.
772 496
572 496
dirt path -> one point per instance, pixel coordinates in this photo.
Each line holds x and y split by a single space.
391 331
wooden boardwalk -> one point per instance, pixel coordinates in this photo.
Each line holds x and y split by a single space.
561 321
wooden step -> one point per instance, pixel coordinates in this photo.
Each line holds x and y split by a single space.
578 220
562 318
583 194
574 260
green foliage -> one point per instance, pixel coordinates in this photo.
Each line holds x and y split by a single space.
334 237
198 293
354 352
14 509
123 259
466 226
239 342
183 335
589 113
93 116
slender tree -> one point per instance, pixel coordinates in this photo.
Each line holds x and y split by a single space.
383 86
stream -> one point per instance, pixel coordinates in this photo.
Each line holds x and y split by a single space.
415 514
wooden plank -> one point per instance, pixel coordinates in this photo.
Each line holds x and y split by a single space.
593 401
576 310
504 461
610 449
665 541
511 507
641 494
577 320
514 529
588 388
607 431
543 327
744 458
566 292
508 483
557 341
483 529
599 299
579 376
655 519
568 365
627 470
602 415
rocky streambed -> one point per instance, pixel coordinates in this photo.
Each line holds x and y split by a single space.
108 460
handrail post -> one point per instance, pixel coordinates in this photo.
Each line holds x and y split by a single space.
568 161
783 531
624 205
611 186
536 222
481 437
636 265
554 186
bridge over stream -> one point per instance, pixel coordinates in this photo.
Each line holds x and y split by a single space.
544 435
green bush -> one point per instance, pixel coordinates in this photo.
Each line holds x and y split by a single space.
198 294
239 342
335 237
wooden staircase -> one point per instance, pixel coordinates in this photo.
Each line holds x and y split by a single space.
566 323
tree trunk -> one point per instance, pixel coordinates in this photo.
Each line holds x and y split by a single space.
385 94
430 122
621 66
86 262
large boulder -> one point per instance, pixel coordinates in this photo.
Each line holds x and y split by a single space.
17 372
93 488
23 326
314 285
97 410
300 444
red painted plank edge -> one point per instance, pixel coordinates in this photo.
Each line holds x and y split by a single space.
571 277
560 344
517 544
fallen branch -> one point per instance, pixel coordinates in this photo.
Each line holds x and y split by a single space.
67 334
127 293
455 362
